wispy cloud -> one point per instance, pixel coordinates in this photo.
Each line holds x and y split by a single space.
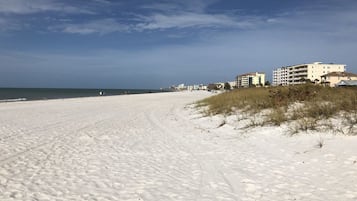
158 22
157 16
187 14
198 6
103 26
193 20
176 14
102 1
36 6
161 16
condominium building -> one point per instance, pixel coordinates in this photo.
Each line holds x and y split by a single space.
298 74
250 79
280 76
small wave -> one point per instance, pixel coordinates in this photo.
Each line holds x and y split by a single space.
13 100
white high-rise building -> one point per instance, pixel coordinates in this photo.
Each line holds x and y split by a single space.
280 76
298 74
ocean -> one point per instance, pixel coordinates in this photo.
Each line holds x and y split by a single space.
27 94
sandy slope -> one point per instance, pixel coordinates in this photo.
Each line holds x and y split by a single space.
150 147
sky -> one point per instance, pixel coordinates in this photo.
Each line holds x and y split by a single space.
152 44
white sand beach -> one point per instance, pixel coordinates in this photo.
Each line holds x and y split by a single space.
157 147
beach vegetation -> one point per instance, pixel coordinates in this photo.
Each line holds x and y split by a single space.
306 105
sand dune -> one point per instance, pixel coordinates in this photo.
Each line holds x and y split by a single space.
155 147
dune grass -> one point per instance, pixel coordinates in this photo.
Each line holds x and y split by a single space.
307 104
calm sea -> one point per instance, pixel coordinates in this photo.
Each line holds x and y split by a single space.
24 94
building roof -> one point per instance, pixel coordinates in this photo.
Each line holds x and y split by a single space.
347 83
321 63
314 63
340 74
255 73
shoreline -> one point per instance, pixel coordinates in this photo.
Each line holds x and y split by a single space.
31 94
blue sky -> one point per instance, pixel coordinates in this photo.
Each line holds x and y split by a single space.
153 44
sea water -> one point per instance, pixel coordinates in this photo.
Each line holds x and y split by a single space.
24 94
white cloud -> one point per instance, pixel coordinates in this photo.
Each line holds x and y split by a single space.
102 1
173 15
166 7
198 6
103 26
36 6
157 22
192 14
185 20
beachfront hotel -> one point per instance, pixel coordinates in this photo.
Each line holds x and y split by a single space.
299 74
250 79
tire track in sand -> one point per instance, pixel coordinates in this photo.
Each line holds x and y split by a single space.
212 180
